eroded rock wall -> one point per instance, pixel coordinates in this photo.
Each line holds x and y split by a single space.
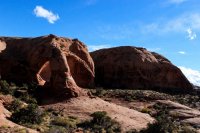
60 64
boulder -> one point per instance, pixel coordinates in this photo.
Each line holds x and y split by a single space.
136 68
60 64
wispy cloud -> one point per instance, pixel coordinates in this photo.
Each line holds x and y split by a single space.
179 24
192 75
182 52
39 11
97 47
191 34
176 1
154 49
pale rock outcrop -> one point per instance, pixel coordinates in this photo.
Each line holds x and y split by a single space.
185 114
82 107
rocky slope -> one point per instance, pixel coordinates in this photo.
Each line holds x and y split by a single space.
186 115
137 68
5 122
128 118
62 65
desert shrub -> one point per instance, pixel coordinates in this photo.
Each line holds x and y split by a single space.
7 129
28 115
5 87
101 123
145 110
26 92
188 129
57 129
65 122
61 124
100 92
15 105
28 98
163 125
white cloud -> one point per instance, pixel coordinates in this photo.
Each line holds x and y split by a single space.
39 11
161 26
182 52
176 1
192 75
154 49
191 35
177 24
97 47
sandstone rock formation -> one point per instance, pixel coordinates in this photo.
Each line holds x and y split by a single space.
185 114
136 68
127 118
62 65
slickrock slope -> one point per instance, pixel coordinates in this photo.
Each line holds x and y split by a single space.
62 65
185 114
82 107
136 68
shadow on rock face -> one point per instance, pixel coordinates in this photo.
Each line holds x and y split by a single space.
136 68
59 65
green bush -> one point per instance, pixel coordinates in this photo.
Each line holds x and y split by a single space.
163 125
28 99
101 123
28 115
166 123
5 88
64 122
61 124
100 92
57 129
145 110
15 105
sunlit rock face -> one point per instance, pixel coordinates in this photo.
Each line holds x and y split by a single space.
2 46
136 68
60 64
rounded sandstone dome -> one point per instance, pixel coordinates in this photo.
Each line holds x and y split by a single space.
136 68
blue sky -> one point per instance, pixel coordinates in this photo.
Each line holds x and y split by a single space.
169 27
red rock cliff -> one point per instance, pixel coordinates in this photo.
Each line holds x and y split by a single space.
136 68
60 64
